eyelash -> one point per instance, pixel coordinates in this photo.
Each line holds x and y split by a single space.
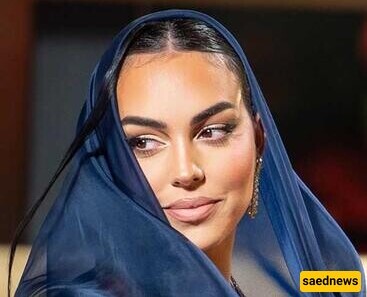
222 140
226 128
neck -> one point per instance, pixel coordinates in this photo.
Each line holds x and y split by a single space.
221 255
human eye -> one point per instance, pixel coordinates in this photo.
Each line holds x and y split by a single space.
145 146
216 134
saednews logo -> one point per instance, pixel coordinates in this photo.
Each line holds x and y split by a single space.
330 281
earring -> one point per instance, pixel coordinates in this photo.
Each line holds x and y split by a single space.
253 207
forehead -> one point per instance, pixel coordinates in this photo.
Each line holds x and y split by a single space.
178 83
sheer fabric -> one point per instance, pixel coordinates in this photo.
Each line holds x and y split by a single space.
106 234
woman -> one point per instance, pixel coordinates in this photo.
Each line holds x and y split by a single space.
170 154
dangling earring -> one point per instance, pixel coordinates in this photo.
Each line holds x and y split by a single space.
253 207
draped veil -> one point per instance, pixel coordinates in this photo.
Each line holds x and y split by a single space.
106 234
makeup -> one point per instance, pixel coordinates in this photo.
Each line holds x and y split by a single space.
192 210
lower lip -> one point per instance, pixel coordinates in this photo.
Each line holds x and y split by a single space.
192 215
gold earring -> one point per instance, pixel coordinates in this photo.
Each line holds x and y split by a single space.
253 207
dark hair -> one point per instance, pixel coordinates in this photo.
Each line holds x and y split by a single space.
154 37
189 35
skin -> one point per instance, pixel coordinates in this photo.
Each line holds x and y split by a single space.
172 88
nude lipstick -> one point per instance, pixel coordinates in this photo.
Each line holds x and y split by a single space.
192 210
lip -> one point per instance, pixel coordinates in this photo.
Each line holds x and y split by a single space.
192 210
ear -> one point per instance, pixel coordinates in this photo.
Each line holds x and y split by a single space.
259 135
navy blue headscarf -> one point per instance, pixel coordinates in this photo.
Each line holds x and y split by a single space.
106 234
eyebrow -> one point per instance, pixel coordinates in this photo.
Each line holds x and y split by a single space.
200 117
146 122
209 112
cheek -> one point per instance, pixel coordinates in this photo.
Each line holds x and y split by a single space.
236 165
155 173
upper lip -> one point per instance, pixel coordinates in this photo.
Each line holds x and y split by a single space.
191 202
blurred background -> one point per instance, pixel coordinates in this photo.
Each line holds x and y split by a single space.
310 57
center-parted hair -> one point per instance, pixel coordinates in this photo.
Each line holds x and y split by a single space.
183 35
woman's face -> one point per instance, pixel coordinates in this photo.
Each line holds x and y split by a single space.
187 124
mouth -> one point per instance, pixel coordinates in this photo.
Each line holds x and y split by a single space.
192 210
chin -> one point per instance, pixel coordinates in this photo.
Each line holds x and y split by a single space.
203 237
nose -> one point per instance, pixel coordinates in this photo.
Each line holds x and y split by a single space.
187 173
